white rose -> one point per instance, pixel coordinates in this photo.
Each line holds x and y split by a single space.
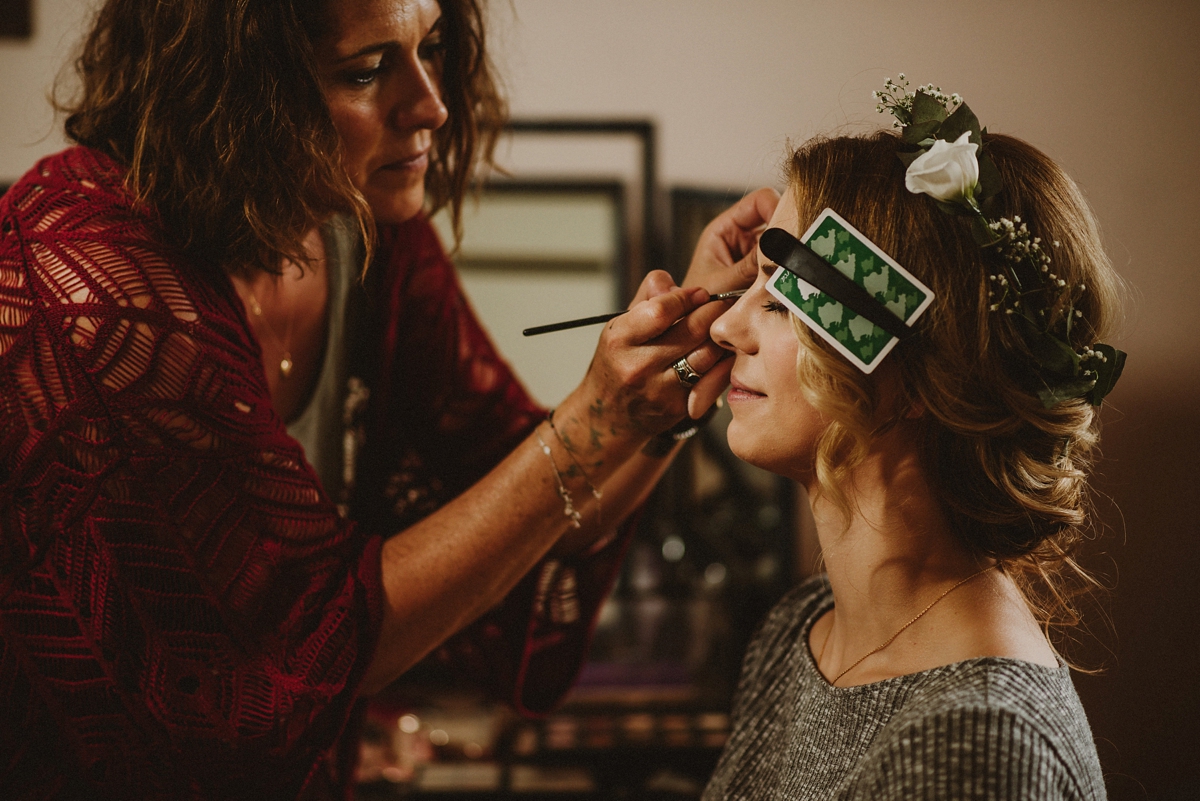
948 171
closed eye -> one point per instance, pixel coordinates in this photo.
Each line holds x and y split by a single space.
363 69
362 77
775 307
433 46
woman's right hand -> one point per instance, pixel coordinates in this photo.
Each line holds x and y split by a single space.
446 570
631 391
631 387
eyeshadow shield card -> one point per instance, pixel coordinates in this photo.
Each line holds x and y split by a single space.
847 250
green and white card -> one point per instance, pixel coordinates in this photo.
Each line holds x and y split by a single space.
859 259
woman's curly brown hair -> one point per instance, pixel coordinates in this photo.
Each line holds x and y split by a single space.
1011 475
215 107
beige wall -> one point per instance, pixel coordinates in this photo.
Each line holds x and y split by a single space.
1108 88
28 129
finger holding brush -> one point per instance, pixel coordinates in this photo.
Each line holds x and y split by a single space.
703 371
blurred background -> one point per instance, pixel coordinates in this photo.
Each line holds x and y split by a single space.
636 120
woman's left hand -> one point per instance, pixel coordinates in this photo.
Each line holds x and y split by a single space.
722 259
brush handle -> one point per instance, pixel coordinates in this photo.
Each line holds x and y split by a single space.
604 318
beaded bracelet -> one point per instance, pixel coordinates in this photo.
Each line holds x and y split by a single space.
568 503
597 494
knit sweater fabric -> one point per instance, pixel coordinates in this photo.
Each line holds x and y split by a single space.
987 728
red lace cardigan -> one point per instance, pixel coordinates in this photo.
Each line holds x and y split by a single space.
183 611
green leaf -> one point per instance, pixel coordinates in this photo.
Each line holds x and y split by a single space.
1051 354
927 117
1107 372
908 158
957 209
915 133
989 179
927 109
1054 355
1073 388
958 123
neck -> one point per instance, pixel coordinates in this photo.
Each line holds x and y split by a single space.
895 542
287 313
889 559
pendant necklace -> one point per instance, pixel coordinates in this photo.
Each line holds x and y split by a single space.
286 363
899 631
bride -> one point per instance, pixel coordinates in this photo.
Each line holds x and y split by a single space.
946 465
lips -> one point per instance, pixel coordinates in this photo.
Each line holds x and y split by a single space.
414 162
739 391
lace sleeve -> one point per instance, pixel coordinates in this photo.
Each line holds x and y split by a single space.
210 611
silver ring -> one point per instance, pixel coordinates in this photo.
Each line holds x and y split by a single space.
684 372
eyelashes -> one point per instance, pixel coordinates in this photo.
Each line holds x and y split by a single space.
775 307
362 77
432 49
433 46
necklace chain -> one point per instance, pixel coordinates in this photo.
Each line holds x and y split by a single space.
899 631
285 363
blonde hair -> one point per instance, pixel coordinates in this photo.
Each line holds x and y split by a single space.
1010 474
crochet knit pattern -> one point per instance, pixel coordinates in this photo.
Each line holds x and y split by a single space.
183 613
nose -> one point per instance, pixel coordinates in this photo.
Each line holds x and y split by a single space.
419 102
732 330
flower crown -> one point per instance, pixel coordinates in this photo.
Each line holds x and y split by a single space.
946 161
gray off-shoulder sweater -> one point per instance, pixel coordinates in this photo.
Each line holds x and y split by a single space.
986 728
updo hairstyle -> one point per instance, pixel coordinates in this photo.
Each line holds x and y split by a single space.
1010 474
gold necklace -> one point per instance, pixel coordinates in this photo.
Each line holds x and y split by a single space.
286 363
900 631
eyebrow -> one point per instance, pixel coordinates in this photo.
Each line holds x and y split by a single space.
767 267
383 46
374 48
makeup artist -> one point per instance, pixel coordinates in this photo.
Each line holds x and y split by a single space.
241 489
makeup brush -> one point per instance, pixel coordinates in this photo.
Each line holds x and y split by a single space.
604 318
